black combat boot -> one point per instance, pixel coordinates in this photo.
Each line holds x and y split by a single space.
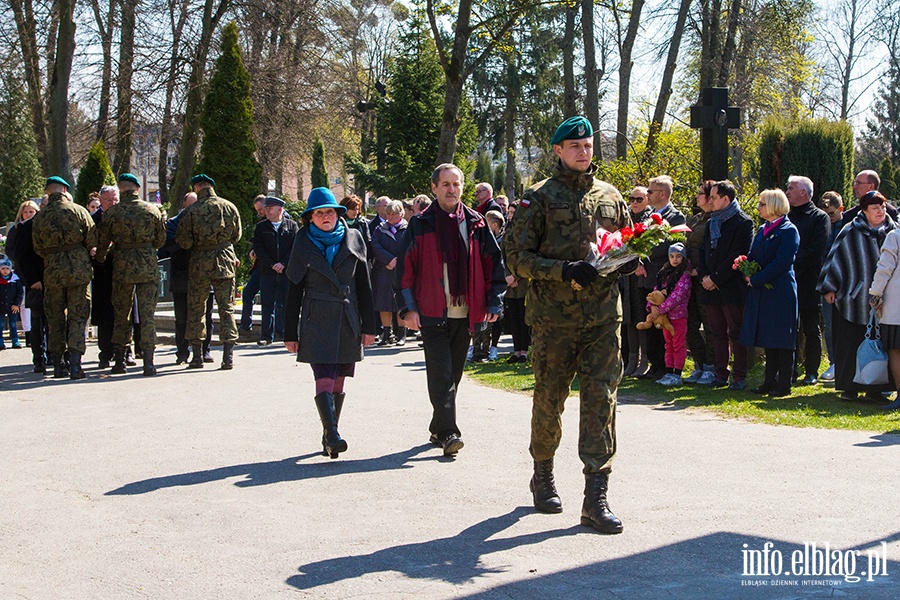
338 405
334 445
543 488
196 357
228 356
119 361
75 370
60 369
149 368
595 510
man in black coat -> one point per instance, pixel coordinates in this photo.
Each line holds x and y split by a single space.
813 225
101 285
659 194
272 243
729 234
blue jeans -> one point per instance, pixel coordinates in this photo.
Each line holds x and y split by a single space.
248 293
13 320
272 293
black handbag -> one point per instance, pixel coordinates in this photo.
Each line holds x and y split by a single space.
34 299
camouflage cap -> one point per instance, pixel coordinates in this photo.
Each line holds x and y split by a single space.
56 179
129 178
202 177
573 128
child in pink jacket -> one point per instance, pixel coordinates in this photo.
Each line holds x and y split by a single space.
675 280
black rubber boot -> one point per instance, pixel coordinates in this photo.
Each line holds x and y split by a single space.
75 370
196 357
60 369
543 488
119 361
338 405
228 356
334 445
595 510
149 367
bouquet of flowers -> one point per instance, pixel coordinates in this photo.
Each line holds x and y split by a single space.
748 267
614 249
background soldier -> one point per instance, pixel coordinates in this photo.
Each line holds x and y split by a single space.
63 234
209 228
575 330
136 229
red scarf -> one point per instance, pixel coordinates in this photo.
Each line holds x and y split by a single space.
454 250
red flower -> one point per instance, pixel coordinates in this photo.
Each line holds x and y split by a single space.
639 229
656 218
627 233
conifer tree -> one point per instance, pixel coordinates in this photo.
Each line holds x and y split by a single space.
319 174
20 167
95 173
888 176
228 151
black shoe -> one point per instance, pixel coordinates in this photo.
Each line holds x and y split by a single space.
452 444
761 390
263 343
808 380
434 441
543 488
719 383
75 370
595 511
849 396
780 393
876 397
119 364
737 386
180 359
42 369
207 357
103 363
149 367
227 356
334 444
196 357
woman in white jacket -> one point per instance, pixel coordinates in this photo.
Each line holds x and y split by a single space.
884 298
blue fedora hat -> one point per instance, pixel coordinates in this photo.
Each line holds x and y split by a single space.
322 197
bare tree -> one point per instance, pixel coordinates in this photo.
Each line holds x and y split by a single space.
568 51
124 114
626 47
58 161
847 37
105 28
26 25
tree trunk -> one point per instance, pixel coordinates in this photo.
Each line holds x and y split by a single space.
58 146
168 127
568 51
625 65
124 117
105 32
24 15
591 83
710 57
190 131
730 37
512 100
665 88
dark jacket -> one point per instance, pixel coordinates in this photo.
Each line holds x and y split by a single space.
737 236
770 314
30 266
273 246
101 284
385 248
180 259
419 276
335 301
12 293
813 225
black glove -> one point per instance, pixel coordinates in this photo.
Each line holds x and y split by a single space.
581 272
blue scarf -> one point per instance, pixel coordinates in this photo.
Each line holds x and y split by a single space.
329 242
717 217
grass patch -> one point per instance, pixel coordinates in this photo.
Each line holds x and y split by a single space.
809 406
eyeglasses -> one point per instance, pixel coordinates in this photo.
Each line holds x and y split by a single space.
761 205
637 199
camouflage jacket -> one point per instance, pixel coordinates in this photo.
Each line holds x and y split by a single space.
63 235
209 227
556 222
135 229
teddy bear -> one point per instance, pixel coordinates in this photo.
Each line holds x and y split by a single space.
656 297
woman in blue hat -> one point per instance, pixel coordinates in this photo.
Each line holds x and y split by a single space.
331 289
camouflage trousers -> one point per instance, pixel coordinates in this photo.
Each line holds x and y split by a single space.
67 310
124 294
559 353
198 292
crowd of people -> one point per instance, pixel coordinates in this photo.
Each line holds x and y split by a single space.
458 278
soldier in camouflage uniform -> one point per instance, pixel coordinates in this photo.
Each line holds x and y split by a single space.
135 229
63 234
575 327
210 227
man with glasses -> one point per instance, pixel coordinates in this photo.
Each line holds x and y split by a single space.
865 182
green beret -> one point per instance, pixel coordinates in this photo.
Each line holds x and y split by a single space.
57 179
573 128
203 177
129 177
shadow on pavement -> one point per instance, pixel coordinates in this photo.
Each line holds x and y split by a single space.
718 565
279 471
888 438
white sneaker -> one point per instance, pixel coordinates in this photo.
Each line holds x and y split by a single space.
470 353
694 377
673 380
707 378
828 375
493 353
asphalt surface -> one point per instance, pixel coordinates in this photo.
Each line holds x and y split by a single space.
209 484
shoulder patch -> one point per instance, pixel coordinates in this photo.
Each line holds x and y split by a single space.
525 203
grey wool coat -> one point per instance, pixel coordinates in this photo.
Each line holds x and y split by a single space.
329 307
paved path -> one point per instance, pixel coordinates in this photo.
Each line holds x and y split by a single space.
208 485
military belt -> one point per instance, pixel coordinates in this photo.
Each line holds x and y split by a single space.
134 245
221 246
59 249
